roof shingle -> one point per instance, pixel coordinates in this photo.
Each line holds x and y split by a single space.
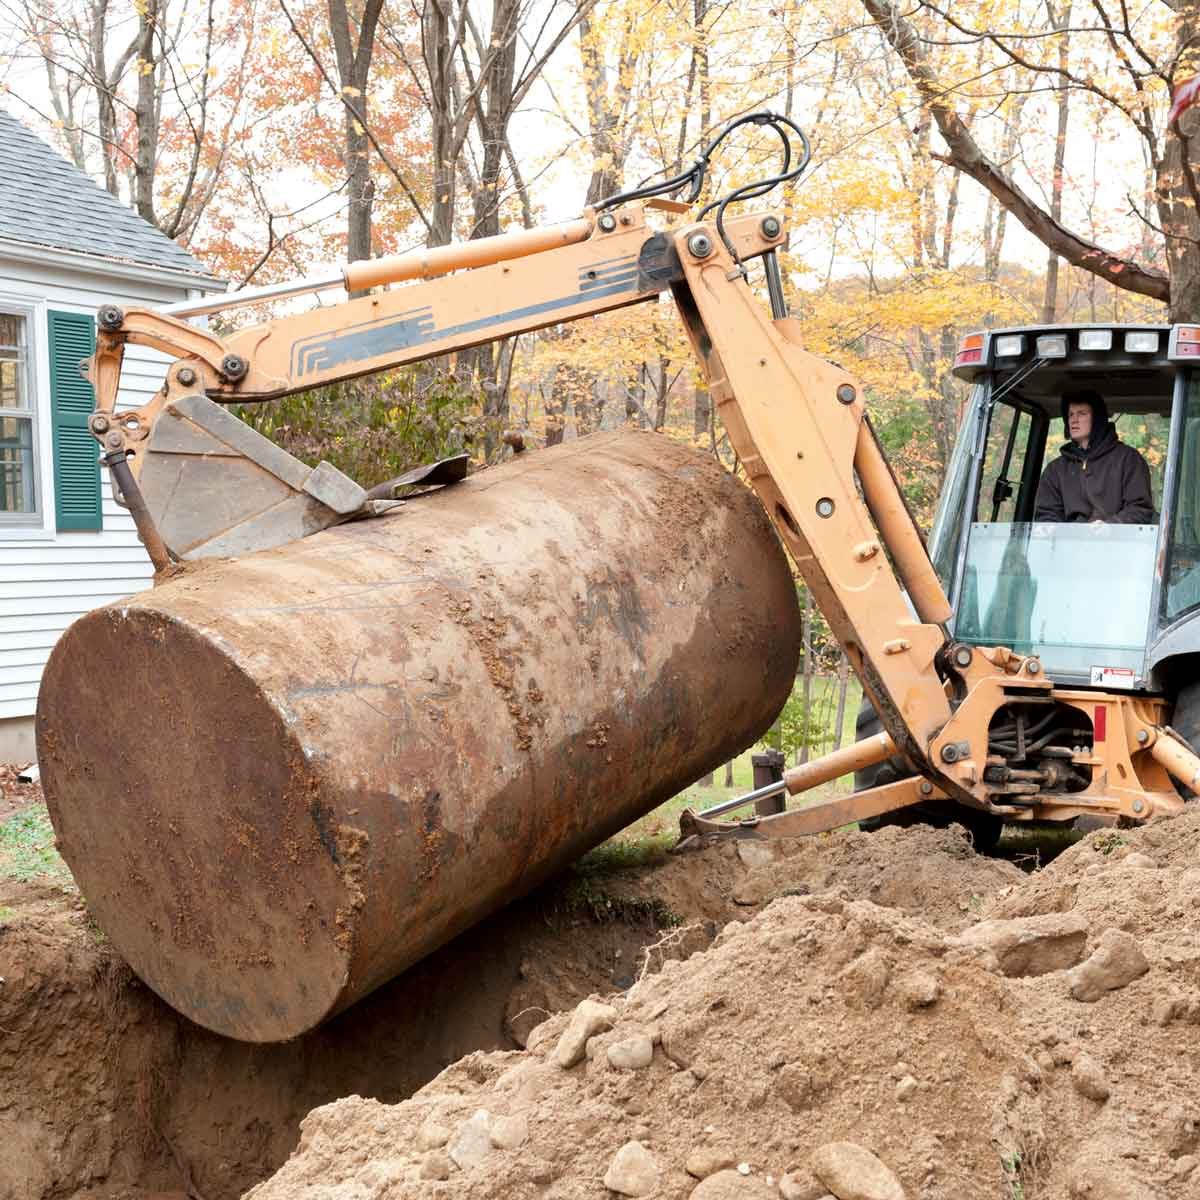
47 201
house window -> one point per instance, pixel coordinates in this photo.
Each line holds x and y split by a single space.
18 434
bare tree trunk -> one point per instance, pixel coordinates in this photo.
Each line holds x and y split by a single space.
354 68
662 389
729 774
438 51
1178 185
1060 21
146 110
702 411
802 751
843 686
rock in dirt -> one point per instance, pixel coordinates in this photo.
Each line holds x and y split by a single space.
432 1135
1117 961
732 1185
918 989
472 1143
852 1172
588 1019
757 888
632 1172
631 1054
801 1185
1088 1078
708 1160
756 853
437 1166
866 978
1142 861
1029 946
509 1133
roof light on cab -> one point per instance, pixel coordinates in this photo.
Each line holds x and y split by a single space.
1052 345
1141 341
1010 344
1095 339
970 350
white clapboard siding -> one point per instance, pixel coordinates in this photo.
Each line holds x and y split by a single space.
48 580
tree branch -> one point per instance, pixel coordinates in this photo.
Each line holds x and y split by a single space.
337 91
966 156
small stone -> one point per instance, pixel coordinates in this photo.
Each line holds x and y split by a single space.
801 1185
905 1088
1184 1166
536 1038
541 1171
852 1172
1117 961
755 853
918 989
729 1185
1142 861
588 1019
472 1143
797 1087
433 1135
632 1172
437 1166
681 1041
707 1160
631 1054
756 888
867 977
1089 1079
1028 946
507 1133
1182 1134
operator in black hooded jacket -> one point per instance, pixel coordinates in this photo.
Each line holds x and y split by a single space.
1096 477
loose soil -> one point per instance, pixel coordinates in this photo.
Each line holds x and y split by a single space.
877 989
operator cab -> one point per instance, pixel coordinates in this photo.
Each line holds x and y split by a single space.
1102 605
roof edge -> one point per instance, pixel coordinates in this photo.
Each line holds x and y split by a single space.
119 268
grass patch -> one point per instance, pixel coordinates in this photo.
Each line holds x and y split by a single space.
585 891
1105 842
27 847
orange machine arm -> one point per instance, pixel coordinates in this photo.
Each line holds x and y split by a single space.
202 483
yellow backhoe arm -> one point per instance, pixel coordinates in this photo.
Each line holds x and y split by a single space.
202 483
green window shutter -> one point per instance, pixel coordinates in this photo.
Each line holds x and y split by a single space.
76 454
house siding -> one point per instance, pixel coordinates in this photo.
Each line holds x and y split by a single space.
48 579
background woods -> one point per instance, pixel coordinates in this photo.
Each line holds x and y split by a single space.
982 162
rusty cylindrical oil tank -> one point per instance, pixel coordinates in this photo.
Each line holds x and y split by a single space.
282 779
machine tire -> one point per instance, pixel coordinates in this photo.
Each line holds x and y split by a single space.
1185 720
985 828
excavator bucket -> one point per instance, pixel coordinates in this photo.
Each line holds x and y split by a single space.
219 488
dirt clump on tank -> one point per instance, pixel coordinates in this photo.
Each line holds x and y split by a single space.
896 1018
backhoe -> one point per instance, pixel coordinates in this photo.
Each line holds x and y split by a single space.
1017 671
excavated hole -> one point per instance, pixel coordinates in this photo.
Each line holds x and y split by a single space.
110 1095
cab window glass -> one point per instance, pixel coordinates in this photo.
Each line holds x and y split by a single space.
1181 590
1004 461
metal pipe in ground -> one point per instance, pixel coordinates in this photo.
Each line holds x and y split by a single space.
856 757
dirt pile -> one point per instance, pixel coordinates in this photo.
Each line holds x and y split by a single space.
953 1032
108 1093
